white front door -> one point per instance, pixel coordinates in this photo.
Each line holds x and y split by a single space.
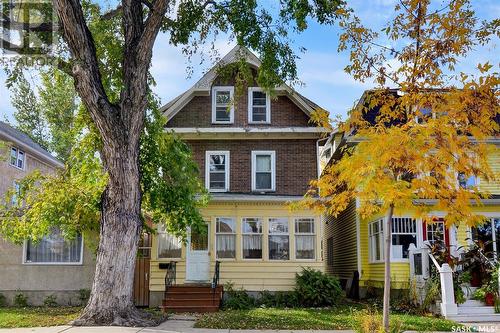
197 256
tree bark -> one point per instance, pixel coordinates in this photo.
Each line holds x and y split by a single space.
387 264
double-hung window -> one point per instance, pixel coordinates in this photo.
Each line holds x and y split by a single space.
169 246
259 106
17 158
16 193
54 249
225 240
376 240
251 229
304 238
263 171
222 105
404 233
435 231
279 240
467 182
217 171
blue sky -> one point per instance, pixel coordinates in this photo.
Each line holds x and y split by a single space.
320 68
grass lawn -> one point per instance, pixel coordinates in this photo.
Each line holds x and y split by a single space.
342 317
37 316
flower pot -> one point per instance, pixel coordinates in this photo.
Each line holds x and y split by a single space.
489 299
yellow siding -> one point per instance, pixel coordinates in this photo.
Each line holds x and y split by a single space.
252 275
344 236
493 186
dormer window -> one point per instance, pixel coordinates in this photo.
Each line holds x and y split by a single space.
17 157
222 107
259 106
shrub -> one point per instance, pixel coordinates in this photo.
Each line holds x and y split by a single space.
20 300
50 301
279 299
3 300
237 299
316 288
83 296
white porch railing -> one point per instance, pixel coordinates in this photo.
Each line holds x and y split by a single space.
420 260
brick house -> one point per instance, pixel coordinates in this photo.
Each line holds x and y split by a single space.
256 153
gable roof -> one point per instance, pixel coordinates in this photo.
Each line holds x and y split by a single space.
203 86
22 140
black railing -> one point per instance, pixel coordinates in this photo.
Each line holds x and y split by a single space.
215 280
170 276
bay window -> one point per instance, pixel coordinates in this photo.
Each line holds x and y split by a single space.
225 238
251 229
279 240
304 238
217 171
259 106
54 249
263 171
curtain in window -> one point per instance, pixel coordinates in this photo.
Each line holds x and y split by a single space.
54 249
304 246
252 246
226 246
169 246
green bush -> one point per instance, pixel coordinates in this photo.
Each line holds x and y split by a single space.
316 288
237 299
3 300
50 301
83 296
279 299
20 300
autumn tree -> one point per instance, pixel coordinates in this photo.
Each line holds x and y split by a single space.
409 143
117 107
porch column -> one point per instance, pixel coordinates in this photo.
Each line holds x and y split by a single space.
448 305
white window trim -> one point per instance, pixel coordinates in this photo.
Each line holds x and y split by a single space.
208 153
403 233
235 233
371 256
25 262
269 234
163 231
18 150
231 110
250 106
271 153
295 234
261 238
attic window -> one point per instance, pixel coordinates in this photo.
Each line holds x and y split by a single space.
222 108
259 106
17 158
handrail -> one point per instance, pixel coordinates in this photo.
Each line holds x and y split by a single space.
170 276
215 280
434 261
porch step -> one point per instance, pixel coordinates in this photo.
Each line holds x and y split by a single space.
192 298
470 310
476 318
471 303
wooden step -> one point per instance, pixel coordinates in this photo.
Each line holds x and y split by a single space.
193 288
191 302
188 308
193 295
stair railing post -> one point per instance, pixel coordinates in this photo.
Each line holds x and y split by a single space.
448 305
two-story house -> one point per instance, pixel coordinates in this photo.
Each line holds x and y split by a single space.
256 153
53 266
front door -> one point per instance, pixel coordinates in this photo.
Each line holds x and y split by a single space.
197 256
141 275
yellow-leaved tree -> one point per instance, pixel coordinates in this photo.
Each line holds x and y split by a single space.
426 125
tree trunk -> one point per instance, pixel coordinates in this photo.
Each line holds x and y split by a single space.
387 264
111 301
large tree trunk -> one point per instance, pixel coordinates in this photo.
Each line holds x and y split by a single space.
111 300
387 264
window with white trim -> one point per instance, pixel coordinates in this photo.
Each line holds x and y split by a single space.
259 106
404 233
54 249
467 182
17 158
263 171
15 195
217 171
376 240
435 231
169 246
279 239
222 105
251 229
305 238
225 238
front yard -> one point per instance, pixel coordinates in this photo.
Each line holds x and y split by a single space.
342 317
37 316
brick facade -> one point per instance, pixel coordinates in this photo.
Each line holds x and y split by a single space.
198 113
295 162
